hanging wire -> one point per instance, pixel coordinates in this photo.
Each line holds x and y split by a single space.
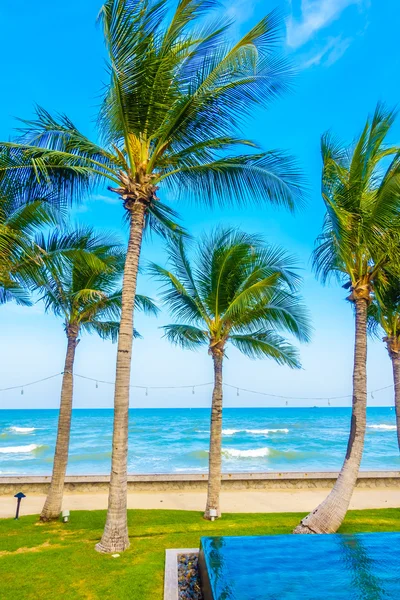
16 387
193 387
300 397
150 387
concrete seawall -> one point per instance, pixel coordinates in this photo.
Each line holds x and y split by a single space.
198 482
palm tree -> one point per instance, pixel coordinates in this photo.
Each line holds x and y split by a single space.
361 194
171 118
237 290
19 221
79 281
384 313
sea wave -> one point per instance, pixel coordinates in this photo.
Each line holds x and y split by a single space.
254 431
382 426
254 453
20 449
272 453
22 429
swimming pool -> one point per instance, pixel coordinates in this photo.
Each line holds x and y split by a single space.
302 567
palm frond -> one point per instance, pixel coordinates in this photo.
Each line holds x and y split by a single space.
106 330
267 344
186 336
60 134
11 290
230 291
19 258
164 221
361 227
41 171
238 75
269 177
79 279
28 218
146 305
279 310
174 294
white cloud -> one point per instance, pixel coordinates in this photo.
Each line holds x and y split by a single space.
315 15
329 54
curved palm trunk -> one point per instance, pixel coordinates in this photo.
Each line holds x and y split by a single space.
394 352
115 536
328 516
52 506
215 459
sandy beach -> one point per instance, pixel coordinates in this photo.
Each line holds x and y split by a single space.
301 500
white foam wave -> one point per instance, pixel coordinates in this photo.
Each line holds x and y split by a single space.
189 469
382 426
254 431
22 429
256 453
18 449
266 431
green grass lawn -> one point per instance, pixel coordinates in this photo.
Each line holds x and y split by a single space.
43 561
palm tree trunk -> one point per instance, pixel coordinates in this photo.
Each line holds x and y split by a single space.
215 458
329 515
52 506
395 356
115 536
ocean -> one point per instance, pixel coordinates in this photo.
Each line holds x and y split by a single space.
176 440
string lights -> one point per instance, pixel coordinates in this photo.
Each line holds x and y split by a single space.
146 389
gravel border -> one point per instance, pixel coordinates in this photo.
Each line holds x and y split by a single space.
171 587
189 577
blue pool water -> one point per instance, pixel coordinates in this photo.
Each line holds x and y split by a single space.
177 440
297 567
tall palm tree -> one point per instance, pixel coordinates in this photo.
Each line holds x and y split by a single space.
79 280
240 291
384 314
361 193
171 118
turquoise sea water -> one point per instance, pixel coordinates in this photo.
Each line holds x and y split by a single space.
176 440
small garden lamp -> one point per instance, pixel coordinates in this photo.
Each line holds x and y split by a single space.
213 513
19 497
65 516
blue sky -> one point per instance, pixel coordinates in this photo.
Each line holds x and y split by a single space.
347 59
